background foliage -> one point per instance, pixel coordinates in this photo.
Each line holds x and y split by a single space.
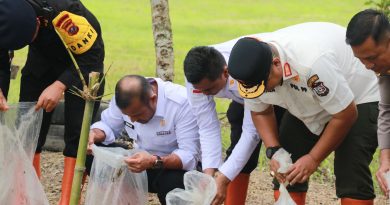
383 5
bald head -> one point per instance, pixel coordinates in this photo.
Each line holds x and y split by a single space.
132 88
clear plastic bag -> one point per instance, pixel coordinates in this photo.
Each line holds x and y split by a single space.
200 189
285 161
284 197
111 182
19 132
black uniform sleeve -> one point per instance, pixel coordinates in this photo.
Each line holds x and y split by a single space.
5 72
91 60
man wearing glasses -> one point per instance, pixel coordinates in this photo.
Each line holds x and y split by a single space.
368 33
309 70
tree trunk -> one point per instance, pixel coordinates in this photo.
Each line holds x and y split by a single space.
162 34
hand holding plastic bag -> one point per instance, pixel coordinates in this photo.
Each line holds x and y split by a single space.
111 182
285 161
200 189
19 131
284 197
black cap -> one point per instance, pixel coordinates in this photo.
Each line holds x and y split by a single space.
250 62
17 24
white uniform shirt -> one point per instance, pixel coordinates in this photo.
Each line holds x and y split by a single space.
384 113
210 132
321 76
172 129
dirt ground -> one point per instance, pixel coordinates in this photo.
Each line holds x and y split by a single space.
259 192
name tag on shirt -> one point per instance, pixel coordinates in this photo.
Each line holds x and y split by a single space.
162 133
128 124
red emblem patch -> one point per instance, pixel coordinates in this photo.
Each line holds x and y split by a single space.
287 70
196 91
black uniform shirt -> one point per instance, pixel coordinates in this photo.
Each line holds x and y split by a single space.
48 54
4 71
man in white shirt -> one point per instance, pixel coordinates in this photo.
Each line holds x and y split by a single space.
309 70
368 33
156 115
205 69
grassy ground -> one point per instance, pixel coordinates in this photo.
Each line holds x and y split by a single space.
127 32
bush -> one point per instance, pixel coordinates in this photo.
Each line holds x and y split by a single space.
382 5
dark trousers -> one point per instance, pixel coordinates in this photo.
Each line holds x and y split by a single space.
31 88
162 181
352 157
235 115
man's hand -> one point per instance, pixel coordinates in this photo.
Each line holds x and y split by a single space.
384 167
222 184
3 102
302 169
209 171
274 166
140 161
95 135
50 97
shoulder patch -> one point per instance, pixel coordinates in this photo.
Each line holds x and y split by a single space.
320 89
287 70
318 86
75 31
311 80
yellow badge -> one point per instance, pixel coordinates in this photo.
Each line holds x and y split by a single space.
231 82
312 80
76 31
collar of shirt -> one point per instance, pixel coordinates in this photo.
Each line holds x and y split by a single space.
230 91
288 71
160 109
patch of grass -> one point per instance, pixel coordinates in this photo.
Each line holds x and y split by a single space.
127 31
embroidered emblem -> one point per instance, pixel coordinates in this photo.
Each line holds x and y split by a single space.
320 89
160 133
231 82
73 30
311 80
196 91
287 70
76 32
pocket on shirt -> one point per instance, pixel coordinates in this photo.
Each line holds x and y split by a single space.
165 137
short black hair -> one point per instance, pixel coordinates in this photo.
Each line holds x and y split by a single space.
125 95
203 62
367 23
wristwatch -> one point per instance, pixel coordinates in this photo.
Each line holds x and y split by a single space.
158 164
270 151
